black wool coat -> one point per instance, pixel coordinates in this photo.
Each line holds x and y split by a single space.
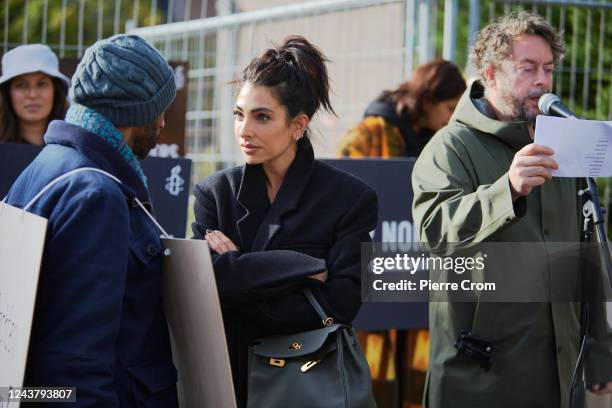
318 220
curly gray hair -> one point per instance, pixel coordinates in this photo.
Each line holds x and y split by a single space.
494 42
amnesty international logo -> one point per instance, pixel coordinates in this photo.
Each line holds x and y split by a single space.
174 183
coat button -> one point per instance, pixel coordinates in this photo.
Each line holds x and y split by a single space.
559 349
546 231
151 249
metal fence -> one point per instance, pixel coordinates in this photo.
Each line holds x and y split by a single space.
372 44
364 40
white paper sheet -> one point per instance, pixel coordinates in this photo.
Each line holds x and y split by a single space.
583 148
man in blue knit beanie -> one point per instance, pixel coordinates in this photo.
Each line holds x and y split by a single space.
99 324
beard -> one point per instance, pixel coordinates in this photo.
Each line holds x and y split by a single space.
145 138
515 106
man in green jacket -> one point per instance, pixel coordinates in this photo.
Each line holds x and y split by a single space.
482 179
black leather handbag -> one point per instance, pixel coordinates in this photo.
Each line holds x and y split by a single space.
318 368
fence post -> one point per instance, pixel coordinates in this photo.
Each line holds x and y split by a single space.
224 74
474 25
424 30
409 41
450 29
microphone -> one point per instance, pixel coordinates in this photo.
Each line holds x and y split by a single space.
551 105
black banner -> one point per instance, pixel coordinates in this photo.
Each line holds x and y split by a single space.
391 179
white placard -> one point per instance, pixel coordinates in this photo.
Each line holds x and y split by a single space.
194 316
22 238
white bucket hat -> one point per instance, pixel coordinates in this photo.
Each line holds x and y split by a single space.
26 59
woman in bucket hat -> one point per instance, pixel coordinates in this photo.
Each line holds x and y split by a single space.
33 93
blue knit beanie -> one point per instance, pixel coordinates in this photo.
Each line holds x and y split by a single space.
124 79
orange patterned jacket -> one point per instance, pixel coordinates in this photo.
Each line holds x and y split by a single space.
383 134
374 136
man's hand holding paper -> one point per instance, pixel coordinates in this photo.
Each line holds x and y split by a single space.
531 167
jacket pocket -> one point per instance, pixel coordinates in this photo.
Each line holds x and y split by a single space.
153 383
486 321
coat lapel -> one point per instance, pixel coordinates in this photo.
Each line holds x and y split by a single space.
288 196
253 198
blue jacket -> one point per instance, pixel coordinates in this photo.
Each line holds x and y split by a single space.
98 323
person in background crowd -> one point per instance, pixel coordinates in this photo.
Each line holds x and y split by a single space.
272 224
33 93
400 122
99 323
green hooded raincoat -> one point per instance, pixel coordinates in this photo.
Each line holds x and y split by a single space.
462 194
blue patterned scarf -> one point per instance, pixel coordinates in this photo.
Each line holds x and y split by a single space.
91 120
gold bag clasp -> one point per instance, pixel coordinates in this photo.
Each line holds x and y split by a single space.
277 362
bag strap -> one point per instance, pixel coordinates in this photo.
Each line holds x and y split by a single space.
62 177
325 319
83 169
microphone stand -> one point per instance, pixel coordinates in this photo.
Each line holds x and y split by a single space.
590 209
596 213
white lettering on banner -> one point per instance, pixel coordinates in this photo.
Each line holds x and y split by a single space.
165 150
179 77
402 232
174 183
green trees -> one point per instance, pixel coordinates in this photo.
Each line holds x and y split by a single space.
584 79
69 26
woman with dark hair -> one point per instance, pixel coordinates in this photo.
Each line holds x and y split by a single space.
32 94
401 122
273 224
